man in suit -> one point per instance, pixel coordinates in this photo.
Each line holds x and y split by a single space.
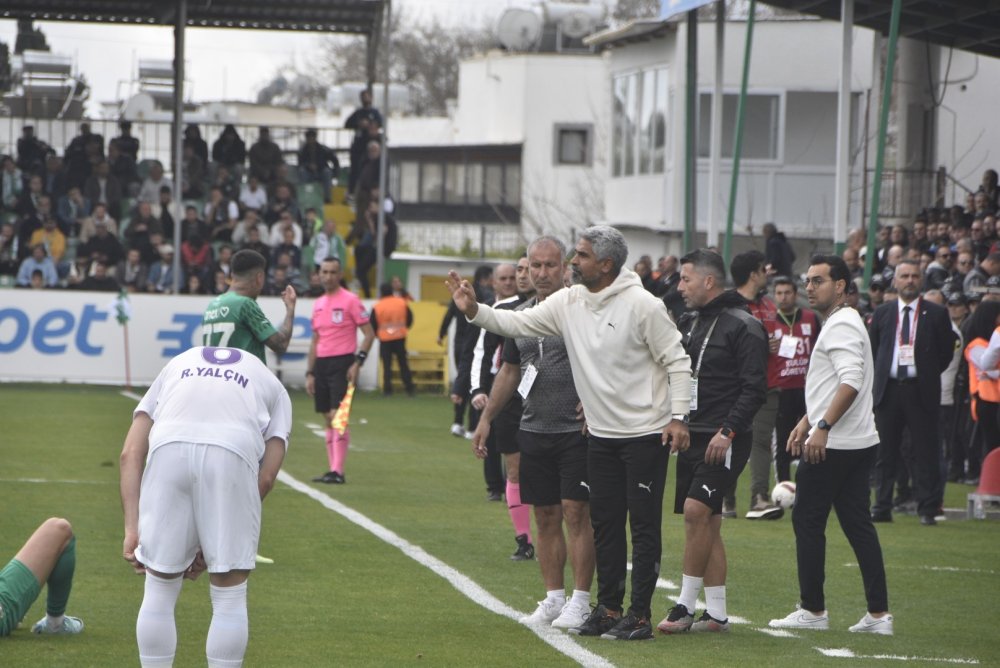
912 342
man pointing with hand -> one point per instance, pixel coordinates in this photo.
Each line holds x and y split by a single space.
633 377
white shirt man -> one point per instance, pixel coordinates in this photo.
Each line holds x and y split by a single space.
208 466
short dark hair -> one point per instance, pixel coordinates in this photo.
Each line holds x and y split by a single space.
786 280
703 259
482 272
745 264
385 290
246 263
838 268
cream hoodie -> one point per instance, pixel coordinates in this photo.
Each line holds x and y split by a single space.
629 367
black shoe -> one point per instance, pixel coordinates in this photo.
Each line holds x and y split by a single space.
525 550
906 508
630 627
903 499
882 517
599 623
336 478
326 477
928 520
494 496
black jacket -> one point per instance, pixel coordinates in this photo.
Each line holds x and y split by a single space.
732 382
934 345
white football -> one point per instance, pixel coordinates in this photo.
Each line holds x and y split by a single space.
783 494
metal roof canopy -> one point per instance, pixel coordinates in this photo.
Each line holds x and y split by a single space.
969 25
359 17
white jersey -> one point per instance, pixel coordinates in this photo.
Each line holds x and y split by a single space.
218 396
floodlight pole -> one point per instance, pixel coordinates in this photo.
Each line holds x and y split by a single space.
883 130
383 175
690 133
178 121
715 144
842 198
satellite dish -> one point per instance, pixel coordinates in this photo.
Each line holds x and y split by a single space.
519 29
577 25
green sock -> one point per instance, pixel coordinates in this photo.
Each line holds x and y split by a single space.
61 581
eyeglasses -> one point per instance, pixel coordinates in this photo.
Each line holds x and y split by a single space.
815 280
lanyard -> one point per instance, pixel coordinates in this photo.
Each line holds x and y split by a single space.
704 344
913 330
791 325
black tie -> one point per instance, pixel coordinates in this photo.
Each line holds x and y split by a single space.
904 371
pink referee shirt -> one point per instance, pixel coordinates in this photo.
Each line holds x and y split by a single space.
336 319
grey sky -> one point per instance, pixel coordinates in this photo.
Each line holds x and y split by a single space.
222 64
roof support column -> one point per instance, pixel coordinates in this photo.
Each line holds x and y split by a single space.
383 174
842 188
178 120
883 130
691 131
715 143
727 245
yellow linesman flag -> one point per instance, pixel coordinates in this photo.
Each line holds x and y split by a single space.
339 422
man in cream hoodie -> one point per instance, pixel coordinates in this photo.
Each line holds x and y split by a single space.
633 378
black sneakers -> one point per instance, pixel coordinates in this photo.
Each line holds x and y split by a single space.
598 623
630 627
331 477
525 550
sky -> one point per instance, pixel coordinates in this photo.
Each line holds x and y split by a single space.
221 64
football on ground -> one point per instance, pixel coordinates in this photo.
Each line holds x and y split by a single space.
783 494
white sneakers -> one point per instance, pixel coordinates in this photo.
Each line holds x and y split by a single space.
868 624
547 611
70 625
559 615
573 614
803 619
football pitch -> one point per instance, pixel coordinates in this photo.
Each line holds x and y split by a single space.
408 564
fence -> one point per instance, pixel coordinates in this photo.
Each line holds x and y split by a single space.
906 192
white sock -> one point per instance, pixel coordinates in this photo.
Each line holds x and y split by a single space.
581 597
557 595
230 628
690 588
54 621
715 601
155 629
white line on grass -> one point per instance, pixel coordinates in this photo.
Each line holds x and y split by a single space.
844 653
941 569
46 481
131 395
778 633
464 584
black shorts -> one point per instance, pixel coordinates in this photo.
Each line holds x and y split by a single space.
504 432
553 468
708 482
331 381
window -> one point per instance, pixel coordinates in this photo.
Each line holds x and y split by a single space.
572 145
760 126
409 186
512 185
639 124
494 184
475 183
454 183
431 182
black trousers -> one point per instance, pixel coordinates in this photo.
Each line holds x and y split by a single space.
840 482
387 350
627 477
901 407
791 408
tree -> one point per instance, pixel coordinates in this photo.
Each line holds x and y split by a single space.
425 57
626 10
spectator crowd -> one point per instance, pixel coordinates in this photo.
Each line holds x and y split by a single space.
101 217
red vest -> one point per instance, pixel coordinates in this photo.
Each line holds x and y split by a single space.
789 373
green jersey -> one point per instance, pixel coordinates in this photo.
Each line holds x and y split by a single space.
234 321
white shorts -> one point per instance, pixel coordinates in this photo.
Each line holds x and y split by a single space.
198 496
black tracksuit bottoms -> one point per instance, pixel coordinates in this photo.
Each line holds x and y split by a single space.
627 477
840 482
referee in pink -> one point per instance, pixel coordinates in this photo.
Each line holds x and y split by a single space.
334 358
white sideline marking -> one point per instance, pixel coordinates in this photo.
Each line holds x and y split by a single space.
660 582
131 395
844 653
463 583
942 569
778 633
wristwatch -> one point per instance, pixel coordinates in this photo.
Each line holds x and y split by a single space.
824 425
726 432
682 417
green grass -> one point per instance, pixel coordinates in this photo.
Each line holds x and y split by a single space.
337 595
